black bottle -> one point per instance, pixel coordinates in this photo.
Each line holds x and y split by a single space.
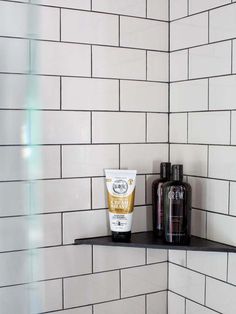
157 198
177 208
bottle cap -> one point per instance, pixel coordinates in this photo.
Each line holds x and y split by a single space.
177 172
165 170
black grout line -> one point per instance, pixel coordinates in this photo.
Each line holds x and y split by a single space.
145 304
91 5
63 294
146 127
201 12
107 301
89 10
203 274
182 296
185 306
84 77
60 24
203 78
146 8
62 229
208 160
83 43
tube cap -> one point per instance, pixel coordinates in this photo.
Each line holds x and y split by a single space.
165 170
177 172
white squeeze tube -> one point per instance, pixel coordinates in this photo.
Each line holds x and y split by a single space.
121 192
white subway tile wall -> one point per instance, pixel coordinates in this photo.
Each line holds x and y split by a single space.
202 136
101 97
95 76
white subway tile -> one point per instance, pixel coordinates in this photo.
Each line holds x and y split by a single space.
79 310
48 295
178 127
158 9
221 228
157 127
176 303
156 256
126 7
60 195
233 128
88 27
139 280
143 157
119 63
220 296
141 33
190 31
225 170
71 260
233 198
108 258
14 55
101 287
85 224
194 308
62 59
232 268
178 9
179 65
189 95
193 157
104 94
142 219
74 4
187 283
157 66
144 96
99 192
204 193
198 225
223 23
157 303
118 127
88 160
210 60
177 257
14 198
222 93
61 127
210 263
131 305
13 135
47 21
32 231
149 181
202 5
209 132
15 161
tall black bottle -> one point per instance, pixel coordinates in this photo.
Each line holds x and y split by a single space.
177 198
157 199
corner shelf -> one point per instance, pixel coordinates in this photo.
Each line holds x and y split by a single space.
147 240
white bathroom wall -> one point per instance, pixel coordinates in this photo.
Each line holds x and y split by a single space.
100 73
202 132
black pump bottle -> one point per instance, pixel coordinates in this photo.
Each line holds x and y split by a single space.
157 198
177 208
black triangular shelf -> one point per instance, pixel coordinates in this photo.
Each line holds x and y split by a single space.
147 240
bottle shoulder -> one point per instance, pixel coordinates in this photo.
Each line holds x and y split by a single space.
179 184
